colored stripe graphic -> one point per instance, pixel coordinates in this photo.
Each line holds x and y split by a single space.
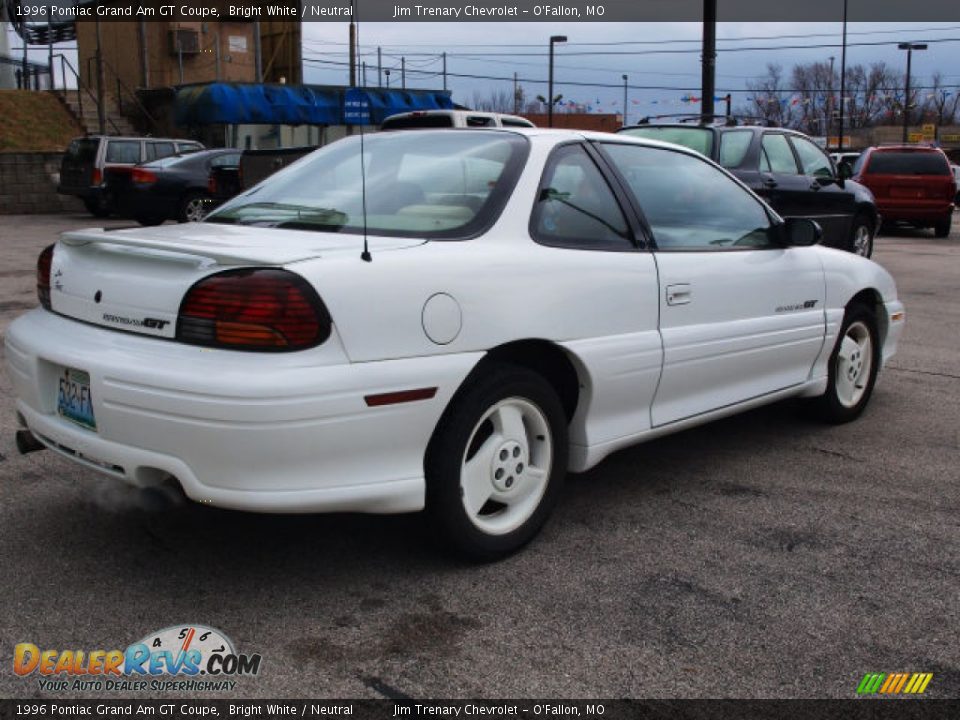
870 683
894 683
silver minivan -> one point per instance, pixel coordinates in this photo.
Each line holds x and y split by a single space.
452 119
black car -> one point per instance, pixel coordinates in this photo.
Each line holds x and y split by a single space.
172 188
786 169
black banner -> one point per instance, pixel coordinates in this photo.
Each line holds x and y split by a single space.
486 10
901 709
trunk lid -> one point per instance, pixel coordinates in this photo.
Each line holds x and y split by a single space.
135 279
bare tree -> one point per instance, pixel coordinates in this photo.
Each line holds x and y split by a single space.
941 103
494 101
770 99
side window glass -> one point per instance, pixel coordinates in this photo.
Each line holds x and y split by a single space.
689 203
779 155
225 161
157 150
123 151
734 146
576 208
813 159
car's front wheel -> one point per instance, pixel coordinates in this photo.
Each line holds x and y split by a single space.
496 463
861 236
853 367
193 207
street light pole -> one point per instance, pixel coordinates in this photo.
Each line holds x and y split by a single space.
553 39
624 100
830 102
708 60
909 47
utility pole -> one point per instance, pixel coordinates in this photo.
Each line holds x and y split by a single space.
843 81
830 102
387 72
101 117
516 96
50 47
144 57
708 59
257 51
364 66
625 100
379 68
403 72
444 70
353 49
909 47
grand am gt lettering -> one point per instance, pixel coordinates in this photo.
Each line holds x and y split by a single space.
481 312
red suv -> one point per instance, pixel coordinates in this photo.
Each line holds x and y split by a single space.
911 183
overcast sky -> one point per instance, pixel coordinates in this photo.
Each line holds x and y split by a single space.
500 49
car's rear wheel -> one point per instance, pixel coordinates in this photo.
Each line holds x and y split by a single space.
193 207
98 207
496 463
942 228
853 367
861 236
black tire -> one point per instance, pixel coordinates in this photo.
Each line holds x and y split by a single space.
150 220
448 452
187 203
942 228
860 241
831 407
98 207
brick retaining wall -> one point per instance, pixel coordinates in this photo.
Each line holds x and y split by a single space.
28 184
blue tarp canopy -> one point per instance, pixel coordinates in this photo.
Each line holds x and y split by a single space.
250 103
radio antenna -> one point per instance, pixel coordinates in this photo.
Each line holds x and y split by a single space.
355 38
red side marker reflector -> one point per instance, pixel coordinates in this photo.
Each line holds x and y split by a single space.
393 398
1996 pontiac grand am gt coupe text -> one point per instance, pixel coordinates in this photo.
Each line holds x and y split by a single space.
532 301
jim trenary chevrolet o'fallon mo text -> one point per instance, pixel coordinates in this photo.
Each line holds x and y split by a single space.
448 320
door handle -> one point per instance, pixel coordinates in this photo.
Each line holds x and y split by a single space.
769 182
815 186
680 294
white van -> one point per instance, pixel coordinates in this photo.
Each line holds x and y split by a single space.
452 119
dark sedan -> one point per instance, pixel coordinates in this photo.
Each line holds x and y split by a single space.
786 169
173 188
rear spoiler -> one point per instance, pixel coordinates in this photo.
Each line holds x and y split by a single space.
222 255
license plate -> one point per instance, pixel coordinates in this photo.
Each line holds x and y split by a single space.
74 400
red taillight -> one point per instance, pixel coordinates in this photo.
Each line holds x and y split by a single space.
142 177
253 309
96 177
212 185
43 276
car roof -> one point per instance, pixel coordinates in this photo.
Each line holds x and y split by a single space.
136 137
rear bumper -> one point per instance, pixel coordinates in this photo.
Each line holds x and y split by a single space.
266 433
918 213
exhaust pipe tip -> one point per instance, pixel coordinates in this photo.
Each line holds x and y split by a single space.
27 443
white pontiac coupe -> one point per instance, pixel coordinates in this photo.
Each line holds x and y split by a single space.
447 320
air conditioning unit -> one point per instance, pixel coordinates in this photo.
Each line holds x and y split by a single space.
184 41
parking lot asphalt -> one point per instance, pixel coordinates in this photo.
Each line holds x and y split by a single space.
764 555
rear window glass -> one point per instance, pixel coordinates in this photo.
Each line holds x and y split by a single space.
435 184
190 147
515 122
691 137
418 121
907 163
123 151
83 149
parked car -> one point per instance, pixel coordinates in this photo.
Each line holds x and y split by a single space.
86 160
452 119
786 169
844 162
912 184
479 313
172 188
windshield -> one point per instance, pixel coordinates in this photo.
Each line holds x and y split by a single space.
434 184
695 138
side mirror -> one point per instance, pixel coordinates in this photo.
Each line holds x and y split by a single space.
844 171
800 232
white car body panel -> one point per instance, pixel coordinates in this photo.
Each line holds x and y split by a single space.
290 432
